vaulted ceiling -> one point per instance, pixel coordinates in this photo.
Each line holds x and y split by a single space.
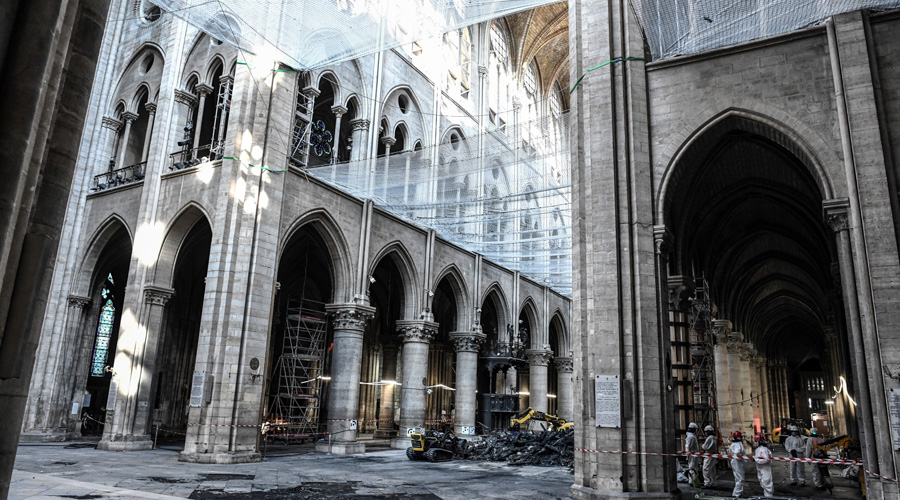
542 35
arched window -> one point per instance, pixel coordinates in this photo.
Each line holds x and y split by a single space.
104 332
555 103
532 130
458 47
498 94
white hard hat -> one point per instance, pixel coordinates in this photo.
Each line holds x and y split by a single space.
709 428
693 426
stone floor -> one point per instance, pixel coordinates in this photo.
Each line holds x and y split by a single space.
76 470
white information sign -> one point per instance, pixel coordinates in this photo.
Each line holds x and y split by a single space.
607 394
75 408
410 431
895 417
353 424
197 389
469 431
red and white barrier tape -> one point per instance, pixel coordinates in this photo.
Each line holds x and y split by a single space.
827 461
224 425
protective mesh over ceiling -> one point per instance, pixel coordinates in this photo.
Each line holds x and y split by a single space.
505 194
678 27
315 33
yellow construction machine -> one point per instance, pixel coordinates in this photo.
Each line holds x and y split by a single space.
528 414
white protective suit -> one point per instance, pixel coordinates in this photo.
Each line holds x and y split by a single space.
691 445
763 459
737 465
798 469
709 464
811 443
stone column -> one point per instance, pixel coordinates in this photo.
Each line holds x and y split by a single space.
565 396
385 424
343 389
127 117
388 142
538 359
721 329
416 335
734 382
339 112
747 352
127 427
757 391
765 409
151 110
467 345
112 127
203 90
359 129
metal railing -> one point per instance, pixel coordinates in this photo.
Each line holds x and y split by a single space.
188 158
119 177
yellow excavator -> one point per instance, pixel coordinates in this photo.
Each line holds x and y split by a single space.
522 418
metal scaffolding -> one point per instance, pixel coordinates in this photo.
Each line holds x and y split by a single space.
703 366
295 408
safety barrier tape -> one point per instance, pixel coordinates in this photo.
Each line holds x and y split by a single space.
224 425
93 419
827 461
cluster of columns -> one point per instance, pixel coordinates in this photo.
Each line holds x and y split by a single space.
119 133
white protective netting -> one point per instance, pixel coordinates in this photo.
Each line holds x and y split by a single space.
310 34
510 204
681 27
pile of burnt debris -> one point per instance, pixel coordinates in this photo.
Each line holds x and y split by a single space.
546 448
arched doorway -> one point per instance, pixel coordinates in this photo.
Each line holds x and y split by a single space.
299 354
441 383
755 311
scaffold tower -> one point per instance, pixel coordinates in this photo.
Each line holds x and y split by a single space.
295 410
702 355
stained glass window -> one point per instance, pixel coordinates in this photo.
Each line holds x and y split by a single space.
104 331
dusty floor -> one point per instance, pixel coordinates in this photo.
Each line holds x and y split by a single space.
76 470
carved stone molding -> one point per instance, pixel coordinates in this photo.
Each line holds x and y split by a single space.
111 123
747 351
339 110
467 341
837 214
388 141
128 116
311 92
157 295
565 365
350 316
681 288
482 70
150 107
734 341
185 97
516 103
721 329
417 330
78 301
360 124
539 357
226 79
662 240
203 89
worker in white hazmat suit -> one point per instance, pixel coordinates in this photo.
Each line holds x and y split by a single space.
737 463
763 459
692 445
811 443
795 445
710 445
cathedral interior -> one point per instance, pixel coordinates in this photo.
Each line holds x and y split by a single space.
335 223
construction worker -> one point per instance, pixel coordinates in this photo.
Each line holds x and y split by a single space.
763 459
795 445
737 462
710 445
692 445
811 444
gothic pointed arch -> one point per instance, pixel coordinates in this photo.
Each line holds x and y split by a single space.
112 229
460 289
176 232
401 257
528 312
322 222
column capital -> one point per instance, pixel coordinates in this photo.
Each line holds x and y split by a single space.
185 97
734 341
339 110
467 341
128 116
721 329
516 103
203 89
360 124
388 141
565 365
416 330
350 316
747 351
539 357
226 79
836 214
150 107
157 295
662 239
681 288
78 301
482 70
310 92
111 123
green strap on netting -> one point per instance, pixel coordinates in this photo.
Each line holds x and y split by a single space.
618 59
267 169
